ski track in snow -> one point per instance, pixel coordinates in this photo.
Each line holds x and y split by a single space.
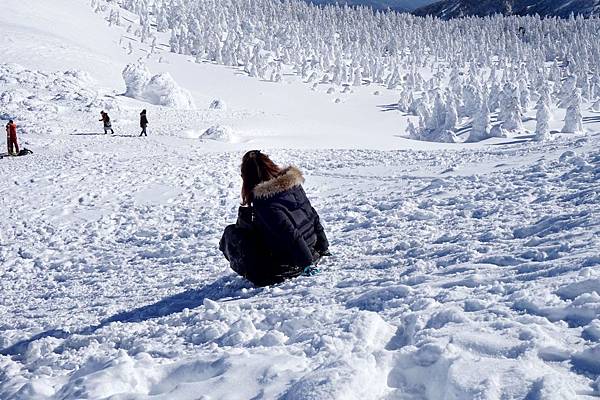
440 274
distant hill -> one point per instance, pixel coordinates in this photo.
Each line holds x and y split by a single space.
447 9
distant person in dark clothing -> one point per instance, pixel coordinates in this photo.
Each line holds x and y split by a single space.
107 124
11 138
143 122
278 234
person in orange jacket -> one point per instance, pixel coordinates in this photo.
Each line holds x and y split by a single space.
11 137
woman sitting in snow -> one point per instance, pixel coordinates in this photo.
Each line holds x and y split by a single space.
278 234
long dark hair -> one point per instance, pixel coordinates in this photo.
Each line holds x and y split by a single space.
256 168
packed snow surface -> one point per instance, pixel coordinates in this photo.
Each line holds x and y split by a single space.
459 270
468 272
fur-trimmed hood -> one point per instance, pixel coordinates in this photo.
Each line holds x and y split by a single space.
289 178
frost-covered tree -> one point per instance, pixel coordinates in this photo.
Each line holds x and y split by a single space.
544 96
566 91
159 89
473 58
471 100
136 77
294 32
432 125
357 77
542 127
404 102
573 116
451 115
437 119
481 124
510 109
114 17
412 131
595 86
524 95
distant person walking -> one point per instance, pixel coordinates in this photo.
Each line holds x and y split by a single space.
11 138
107 125
143 122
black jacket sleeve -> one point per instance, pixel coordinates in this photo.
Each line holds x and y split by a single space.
281 229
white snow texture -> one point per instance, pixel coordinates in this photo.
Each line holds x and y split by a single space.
160 89
455 167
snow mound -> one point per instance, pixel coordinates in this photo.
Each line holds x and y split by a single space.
588 360
443 136
25 90
159 89
30 96
219 133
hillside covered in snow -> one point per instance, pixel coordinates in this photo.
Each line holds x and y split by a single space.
455 166
547 8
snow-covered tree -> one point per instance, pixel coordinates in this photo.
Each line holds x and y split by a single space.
510 109
471 100
481 124
573 116
542 127
566 91
412 131
136 77
357 77
451 115
343 45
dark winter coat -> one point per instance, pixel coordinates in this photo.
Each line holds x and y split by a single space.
143 121
290 225
278 236
106 120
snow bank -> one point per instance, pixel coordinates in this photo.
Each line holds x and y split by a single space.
159 89
31 97
219 133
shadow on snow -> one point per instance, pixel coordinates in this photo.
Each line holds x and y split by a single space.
225 288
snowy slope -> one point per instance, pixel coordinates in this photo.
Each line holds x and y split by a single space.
459 270
478 281
307 119
459 8
58 36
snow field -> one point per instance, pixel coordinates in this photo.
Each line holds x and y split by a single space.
461 283
458 271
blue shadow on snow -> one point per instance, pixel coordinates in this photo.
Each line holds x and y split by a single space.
226 287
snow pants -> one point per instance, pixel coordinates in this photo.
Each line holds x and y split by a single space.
107 128
12 143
